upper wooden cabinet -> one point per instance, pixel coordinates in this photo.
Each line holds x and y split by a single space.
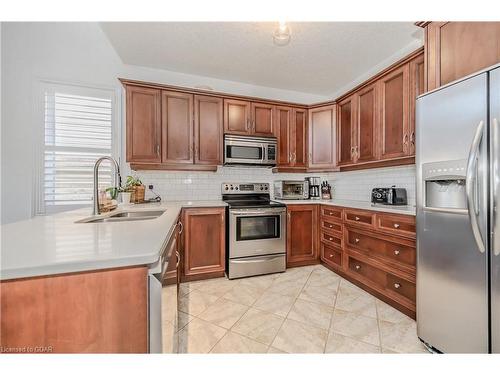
322 137
394 111
457 49
177 128
291 128
367 124
417 87
346 123
249 118
208 131
143 125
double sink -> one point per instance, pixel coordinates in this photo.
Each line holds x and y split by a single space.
123 216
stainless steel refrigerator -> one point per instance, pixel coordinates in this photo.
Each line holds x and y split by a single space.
458 223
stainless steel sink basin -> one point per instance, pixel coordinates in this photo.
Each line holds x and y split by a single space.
123 216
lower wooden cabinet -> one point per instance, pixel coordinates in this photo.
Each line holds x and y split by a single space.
203 250
302 235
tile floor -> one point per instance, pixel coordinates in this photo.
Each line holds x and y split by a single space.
304 310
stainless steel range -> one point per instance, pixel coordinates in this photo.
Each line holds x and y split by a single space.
256 230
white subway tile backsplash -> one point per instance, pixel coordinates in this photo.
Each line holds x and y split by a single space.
352 185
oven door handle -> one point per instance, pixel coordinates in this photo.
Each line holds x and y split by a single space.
259 212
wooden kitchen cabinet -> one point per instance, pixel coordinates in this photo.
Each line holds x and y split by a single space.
417 87
208 130
394 113
346 124
177 127
457 49
143 125
322 138
262 119
203 243
237 116
366 145
103 311
302 235
291 130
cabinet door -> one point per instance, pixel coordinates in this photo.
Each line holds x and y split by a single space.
417 83
346 130
177 127
236 116
367 122
204 242
394 123
284 128
208 130
322 137
299 137
143 125
302 234
457 49
262 119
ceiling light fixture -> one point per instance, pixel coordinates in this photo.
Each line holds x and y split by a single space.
282 34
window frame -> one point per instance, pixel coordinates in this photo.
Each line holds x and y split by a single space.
43 86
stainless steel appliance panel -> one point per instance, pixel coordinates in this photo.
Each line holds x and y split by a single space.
241 150
260 265
452 277
257 231
495 208
288 189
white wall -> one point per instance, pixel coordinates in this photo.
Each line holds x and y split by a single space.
80 53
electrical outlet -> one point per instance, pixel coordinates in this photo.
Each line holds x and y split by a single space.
150 187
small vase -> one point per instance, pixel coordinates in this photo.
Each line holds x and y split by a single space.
125 197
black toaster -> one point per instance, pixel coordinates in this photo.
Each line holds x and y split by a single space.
391 196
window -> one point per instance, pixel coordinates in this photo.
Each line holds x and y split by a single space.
78 129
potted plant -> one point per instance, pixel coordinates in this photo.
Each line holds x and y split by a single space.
136 188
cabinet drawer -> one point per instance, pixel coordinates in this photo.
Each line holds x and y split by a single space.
402 251
330 239
396 224
331 255
331 212
331 226
395 287
362 218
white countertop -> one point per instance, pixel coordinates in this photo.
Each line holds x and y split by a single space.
404 210
55 244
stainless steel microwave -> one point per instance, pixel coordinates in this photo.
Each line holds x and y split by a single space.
245 150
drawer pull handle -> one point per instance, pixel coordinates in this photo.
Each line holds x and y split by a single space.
397 285
356 218
330 238
396 225
396 252
358 267
356 240
330 226
331 255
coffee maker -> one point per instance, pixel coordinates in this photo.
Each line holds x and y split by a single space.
314 187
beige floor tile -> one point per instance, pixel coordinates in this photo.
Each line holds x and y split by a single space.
324 279
311 313
259 325
199 336
217 287
274 303
342 344
169 338
244 294
295 275
289 288
356 301
185 288
196 302
224 313
401 337
318 294
260 282
356 326
183 319
390 314
272 350
296 337
234 343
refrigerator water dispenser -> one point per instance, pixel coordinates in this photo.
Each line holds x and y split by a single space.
444 185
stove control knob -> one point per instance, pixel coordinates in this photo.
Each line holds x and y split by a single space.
232 188
236 187
267 188
226 187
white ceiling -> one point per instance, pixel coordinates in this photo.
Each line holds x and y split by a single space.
321 59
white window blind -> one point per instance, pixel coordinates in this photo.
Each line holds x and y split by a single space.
78 130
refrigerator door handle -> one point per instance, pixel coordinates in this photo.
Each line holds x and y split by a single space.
495 131
470 186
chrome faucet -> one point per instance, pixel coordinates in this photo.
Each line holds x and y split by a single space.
117 180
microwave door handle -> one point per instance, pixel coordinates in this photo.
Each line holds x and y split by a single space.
495 131
470 184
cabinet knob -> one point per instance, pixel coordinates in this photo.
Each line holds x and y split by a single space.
331 255
358 267
396 252
356 240
396 225
356 218
331 213
330 226
330 239
397 285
